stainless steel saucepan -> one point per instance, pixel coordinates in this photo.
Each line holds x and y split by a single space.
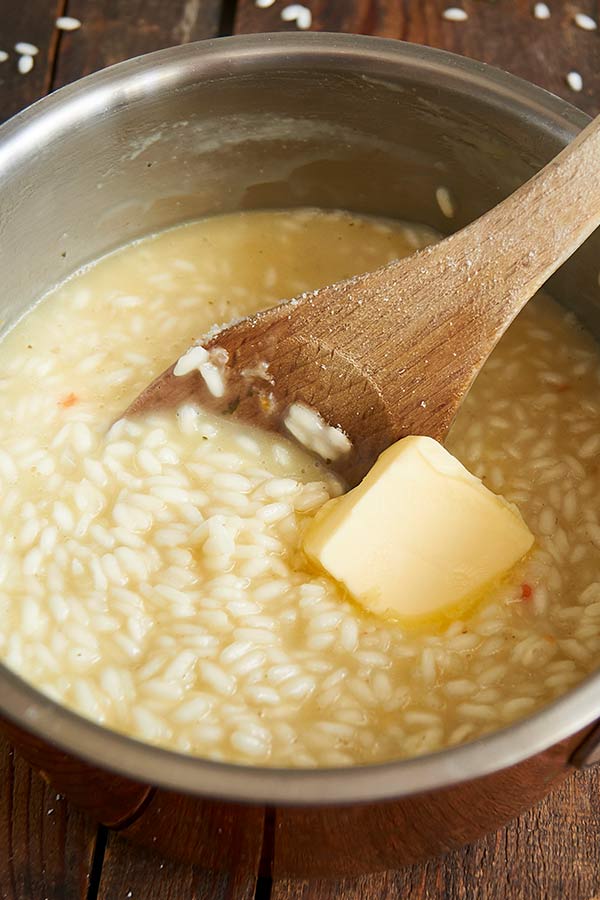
360 123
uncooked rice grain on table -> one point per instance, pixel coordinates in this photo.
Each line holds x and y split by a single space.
67 23
25 64
575 81
541 11
24 48
299 14
455 14
585 22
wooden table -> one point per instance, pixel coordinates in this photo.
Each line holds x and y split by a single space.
49 850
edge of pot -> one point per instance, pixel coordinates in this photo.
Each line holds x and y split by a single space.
21 703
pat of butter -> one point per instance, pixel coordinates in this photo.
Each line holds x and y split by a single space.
420 537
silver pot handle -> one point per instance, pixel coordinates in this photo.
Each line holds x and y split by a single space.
588 752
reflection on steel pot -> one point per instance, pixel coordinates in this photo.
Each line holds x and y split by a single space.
280 121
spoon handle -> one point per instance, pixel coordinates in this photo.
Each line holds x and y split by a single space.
394 351
433 319
514 248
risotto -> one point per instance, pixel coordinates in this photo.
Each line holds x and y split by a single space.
150 572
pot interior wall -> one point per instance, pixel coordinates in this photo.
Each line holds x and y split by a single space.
102 175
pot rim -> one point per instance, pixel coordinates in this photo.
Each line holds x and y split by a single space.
175 68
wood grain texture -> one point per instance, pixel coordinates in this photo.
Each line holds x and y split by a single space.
549 852
106 797
32 22
46 847
134 873
114 30
503 33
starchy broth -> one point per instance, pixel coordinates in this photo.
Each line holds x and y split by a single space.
150 572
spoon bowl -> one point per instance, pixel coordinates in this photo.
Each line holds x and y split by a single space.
393 352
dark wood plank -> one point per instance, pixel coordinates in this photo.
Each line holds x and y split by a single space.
503 33
32 22
551 851
46 847
106 797
114 30
227 839
369 887
134 873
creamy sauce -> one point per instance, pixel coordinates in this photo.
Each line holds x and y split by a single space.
150 578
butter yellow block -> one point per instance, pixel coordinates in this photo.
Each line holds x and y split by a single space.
420 537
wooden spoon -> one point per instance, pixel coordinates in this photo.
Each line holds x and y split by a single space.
393 352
